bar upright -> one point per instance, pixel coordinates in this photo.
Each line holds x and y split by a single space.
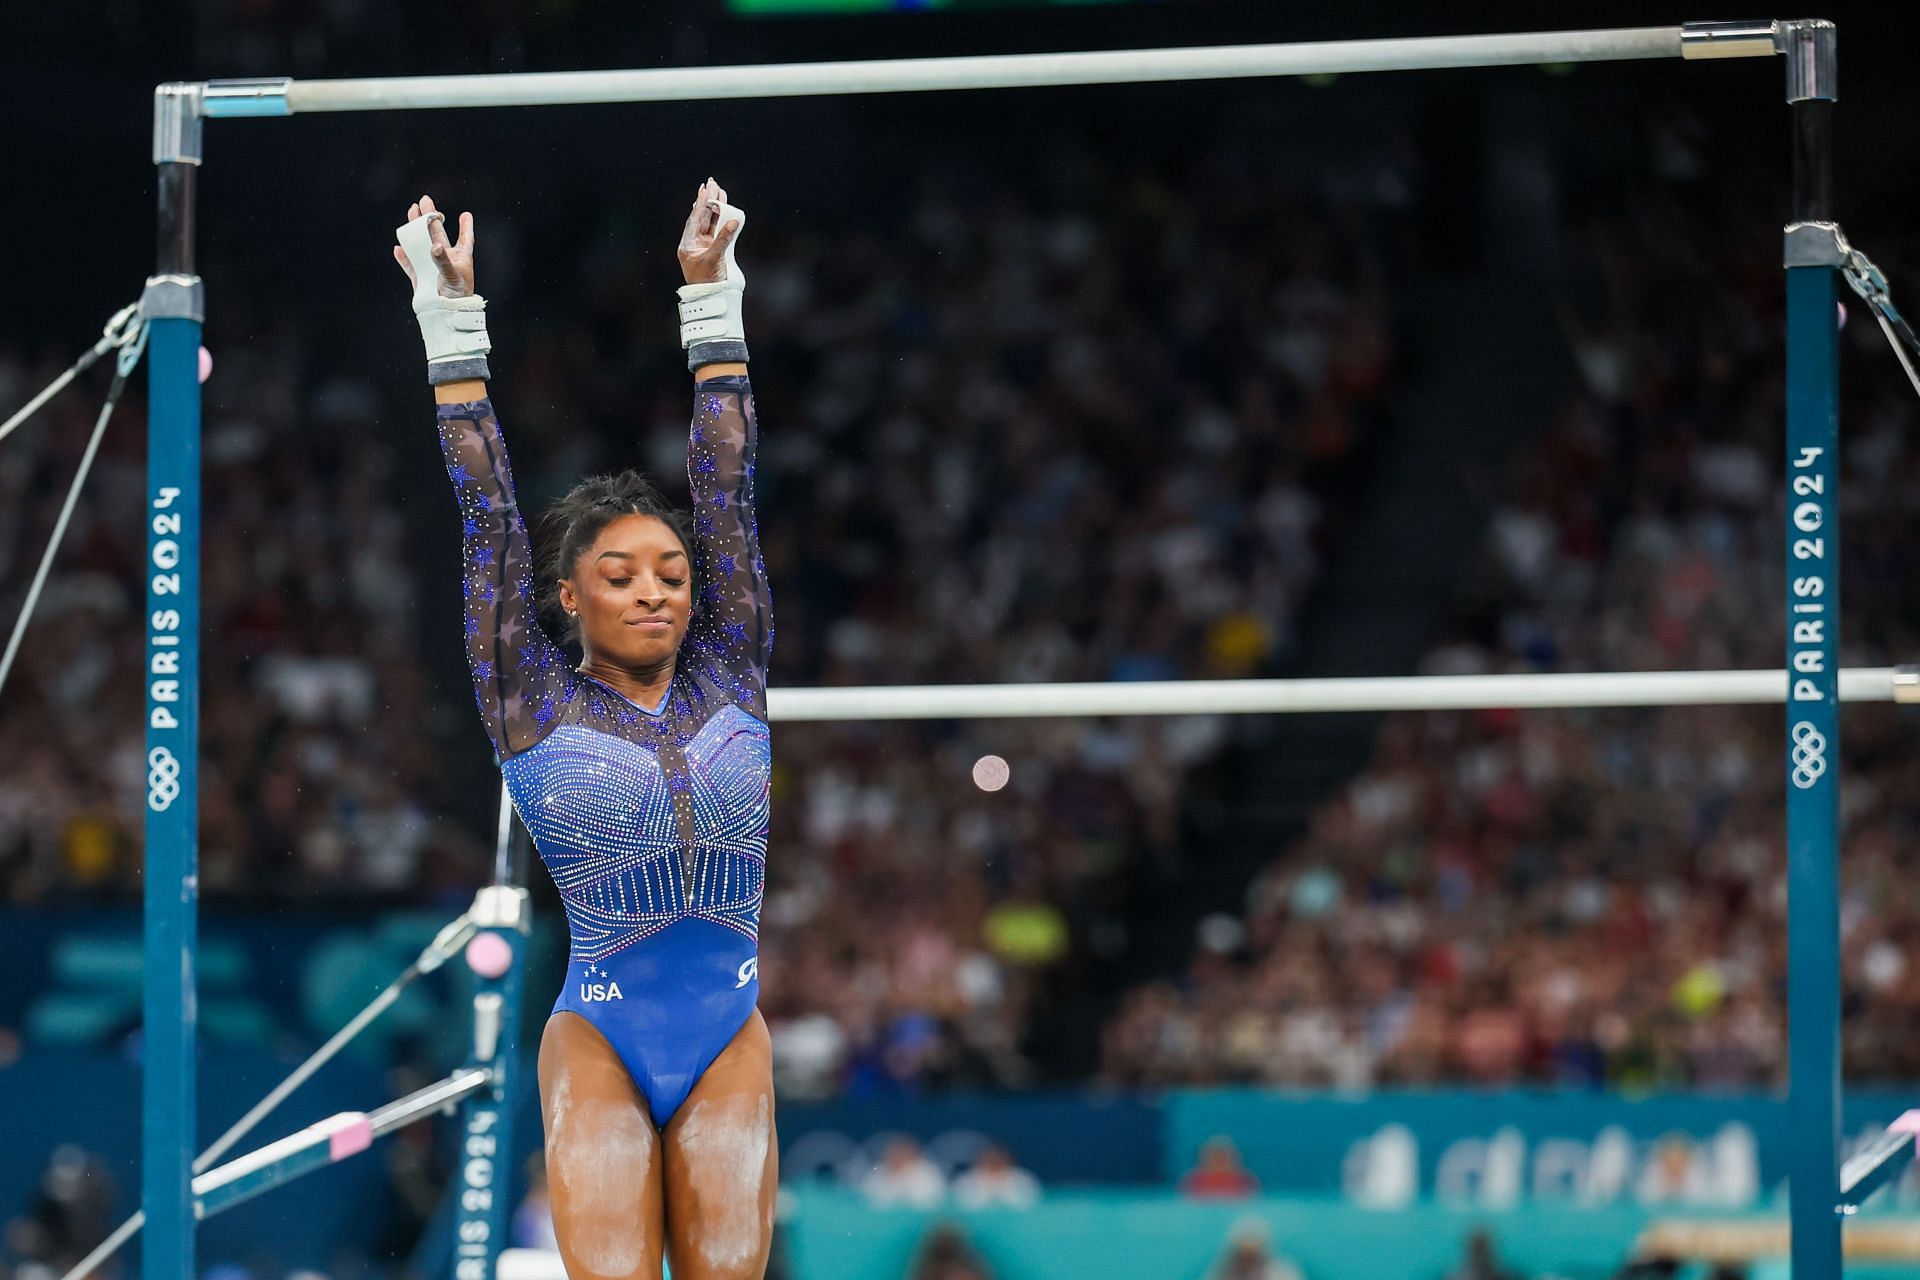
1813 625
171 306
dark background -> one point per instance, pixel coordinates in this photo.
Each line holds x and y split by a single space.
311 199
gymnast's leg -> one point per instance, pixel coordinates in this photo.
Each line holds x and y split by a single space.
723 1165
603 1157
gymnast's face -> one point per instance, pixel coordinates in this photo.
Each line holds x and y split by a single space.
633 593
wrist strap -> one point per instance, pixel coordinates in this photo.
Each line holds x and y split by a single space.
458 369
719 352
712 312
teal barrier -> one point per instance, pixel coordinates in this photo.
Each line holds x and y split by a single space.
833 1235
1504 1146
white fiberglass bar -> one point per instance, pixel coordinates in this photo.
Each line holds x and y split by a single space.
1274 697
530 1264
1008 71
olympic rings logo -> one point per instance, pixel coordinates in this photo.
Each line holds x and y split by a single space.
1809 755
163 779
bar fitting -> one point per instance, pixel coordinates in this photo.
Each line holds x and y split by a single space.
1906 683
488 1008
499 906
1755 39
1815 244
173 297
1813 62
176 123
262 96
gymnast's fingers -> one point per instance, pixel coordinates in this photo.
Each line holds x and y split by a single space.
442 247
695 215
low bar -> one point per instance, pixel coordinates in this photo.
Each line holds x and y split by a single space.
327 1142
1281 697
919 75
1879 1163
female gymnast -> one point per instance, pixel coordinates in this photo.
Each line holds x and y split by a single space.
642 774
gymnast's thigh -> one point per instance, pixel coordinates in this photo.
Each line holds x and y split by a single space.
604 1171
723 1165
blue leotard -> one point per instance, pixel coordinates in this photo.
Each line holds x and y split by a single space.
652 820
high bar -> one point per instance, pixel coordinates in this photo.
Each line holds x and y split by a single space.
225 98
1277 697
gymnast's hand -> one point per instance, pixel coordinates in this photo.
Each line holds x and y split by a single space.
704 241
454 258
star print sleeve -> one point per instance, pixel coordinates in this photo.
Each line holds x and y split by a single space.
520 677
733 618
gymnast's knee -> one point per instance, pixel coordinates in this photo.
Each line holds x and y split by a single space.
721 1176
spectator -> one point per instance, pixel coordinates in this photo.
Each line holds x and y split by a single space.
945 1254
1480 1262
996 1181
1218 1174
1249 1255
1649 1269
905 1178
70 1213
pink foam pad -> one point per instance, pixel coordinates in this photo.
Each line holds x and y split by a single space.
489 955
1908 1123
354 1135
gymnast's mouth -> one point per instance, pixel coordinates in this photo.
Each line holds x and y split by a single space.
647 623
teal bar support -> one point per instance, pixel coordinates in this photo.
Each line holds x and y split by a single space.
168 1136
172 309
1813 771
1813 667
485 1173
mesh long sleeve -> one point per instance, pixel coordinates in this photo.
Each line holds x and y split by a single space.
520 677
732 627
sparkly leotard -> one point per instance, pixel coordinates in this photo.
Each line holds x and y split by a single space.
652 820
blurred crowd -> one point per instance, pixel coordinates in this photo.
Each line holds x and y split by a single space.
319 773
1587 898
1091 448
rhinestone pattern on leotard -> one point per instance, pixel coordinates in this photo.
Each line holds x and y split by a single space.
643 816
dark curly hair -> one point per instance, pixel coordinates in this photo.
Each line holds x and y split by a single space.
571 524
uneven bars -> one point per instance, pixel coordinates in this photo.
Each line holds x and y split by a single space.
1880 1162
326 1142
282 96
1273 697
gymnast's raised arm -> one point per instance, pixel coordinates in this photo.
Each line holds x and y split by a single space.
732 628
519 675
